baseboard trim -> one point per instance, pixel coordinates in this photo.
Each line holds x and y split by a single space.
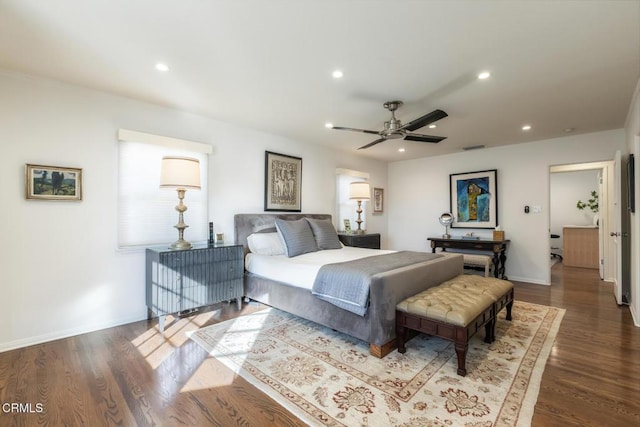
634 315
528 280
39 339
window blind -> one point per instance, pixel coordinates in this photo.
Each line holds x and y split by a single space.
146 213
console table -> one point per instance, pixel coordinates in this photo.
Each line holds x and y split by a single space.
497 247
180 281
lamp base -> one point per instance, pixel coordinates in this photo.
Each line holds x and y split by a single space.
180 245
360 231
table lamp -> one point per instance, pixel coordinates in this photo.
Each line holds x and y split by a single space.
180 173
359 191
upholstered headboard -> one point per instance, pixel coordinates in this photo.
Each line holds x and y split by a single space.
246 224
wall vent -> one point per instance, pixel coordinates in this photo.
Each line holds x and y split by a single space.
473 147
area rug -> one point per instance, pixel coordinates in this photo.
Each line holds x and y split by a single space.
328 378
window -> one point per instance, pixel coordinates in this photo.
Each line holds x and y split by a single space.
146 213
346 208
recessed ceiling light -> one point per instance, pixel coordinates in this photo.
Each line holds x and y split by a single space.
162 67
337 74
328 125
401 150
526 127
484 75
432 126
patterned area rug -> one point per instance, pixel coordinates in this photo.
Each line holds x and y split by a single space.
327 378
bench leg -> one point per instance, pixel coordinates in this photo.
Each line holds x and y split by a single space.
401 338
509 310
461 352
490 331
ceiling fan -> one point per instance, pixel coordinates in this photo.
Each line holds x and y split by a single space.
394 129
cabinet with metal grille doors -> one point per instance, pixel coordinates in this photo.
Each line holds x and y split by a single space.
178 282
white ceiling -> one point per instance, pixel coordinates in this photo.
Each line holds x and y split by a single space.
267 64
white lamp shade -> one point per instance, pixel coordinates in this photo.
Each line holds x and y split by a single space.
180 172
359 191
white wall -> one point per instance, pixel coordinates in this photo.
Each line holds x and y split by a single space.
632 133
419 193
62 274
566 188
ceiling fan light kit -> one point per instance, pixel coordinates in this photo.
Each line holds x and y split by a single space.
394 129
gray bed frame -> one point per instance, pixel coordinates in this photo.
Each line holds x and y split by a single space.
377 326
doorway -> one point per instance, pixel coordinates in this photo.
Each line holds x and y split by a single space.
598 177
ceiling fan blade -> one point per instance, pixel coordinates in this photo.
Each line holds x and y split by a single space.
357 130
423 138
433 116
371 144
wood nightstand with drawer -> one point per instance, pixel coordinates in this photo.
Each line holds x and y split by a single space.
371 241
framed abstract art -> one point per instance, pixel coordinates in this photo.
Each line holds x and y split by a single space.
474 199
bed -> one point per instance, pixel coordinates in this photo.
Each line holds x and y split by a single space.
377 325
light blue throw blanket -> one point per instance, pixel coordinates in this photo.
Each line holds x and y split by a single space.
346 284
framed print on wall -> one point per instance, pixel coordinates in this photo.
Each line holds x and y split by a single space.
53 183
282 182
474 199
378 200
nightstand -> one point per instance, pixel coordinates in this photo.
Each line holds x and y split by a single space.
181 281
371 241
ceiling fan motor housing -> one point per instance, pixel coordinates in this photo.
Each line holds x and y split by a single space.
391 129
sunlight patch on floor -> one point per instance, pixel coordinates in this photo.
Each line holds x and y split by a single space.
242 332
210 374
156 347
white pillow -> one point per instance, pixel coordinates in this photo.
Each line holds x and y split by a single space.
265 244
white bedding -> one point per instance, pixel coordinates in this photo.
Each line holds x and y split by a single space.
301 270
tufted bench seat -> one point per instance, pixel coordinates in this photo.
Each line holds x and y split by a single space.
455 310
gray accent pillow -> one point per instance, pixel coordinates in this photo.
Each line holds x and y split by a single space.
296 236
324 233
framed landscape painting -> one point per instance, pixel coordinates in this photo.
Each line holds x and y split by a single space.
474 199
53 183
282 182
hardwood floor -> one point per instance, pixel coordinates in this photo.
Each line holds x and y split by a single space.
130 375
592 377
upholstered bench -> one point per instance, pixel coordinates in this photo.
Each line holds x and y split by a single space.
475 260
455 310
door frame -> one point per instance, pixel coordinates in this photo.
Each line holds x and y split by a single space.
608 259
